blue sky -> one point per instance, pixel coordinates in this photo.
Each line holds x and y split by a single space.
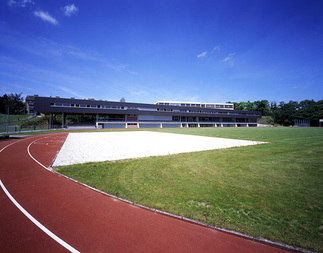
145 51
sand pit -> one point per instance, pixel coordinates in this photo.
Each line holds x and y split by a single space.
109 146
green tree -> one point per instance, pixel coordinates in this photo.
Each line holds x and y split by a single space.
318 114
263 106
14 102
247 106
286 113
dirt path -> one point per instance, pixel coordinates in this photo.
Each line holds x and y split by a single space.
84 219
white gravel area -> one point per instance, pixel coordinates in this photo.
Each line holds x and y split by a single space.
108 146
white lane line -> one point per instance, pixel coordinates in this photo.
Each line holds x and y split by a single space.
43 228
49 233
10 145
34 157
28 150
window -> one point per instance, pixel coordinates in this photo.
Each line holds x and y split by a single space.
147 109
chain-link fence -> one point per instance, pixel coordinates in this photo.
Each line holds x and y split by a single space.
24 123
22 129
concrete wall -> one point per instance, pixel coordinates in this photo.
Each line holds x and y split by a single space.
115 125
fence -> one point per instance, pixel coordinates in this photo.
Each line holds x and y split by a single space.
302 123
5 129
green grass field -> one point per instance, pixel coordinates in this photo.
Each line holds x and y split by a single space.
273 191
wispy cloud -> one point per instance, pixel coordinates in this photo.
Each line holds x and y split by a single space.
229 59
205 53
69 10
19 3
71 92
20 75
21 87
132 72
1 88
201 55
46 17
121 67
137 92
81 54
49 48
117 67
216 48
302 86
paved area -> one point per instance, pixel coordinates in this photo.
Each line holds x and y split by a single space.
84 220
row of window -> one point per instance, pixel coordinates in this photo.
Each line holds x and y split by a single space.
87 106
219 106
209 119
144 109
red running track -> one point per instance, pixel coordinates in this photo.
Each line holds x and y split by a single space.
85 219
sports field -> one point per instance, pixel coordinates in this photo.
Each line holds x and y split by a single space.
273 191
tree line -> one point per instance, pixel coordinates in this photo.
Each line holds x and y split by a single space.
15 102
283 113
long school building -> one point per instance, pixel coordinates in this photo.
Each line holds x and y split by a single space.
162 114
